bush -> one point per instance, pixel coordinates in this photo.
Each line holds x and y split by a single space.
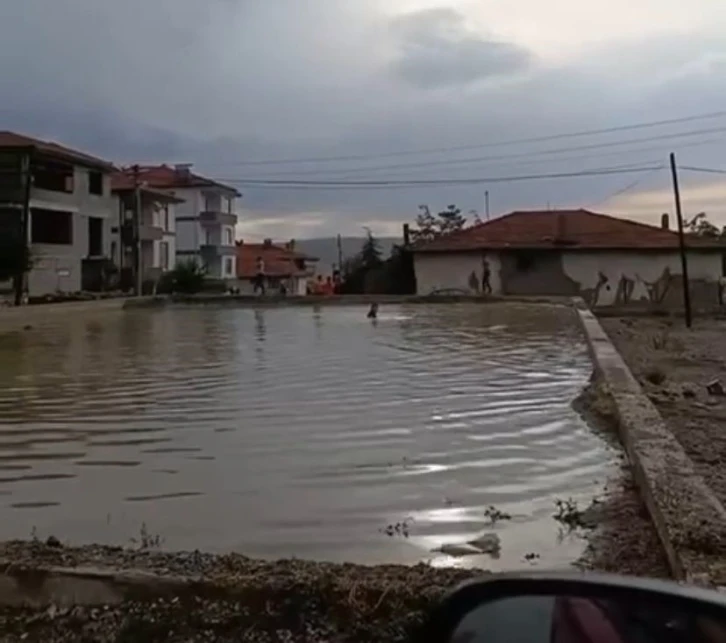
188 278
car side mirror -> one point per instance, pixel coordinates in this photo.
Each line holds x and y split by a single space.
577 608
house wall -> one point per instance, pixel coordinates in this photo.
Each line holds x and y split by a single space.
58 267
444 271
602 278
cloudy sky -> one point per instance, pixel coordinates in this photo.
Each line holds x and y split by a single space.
392 90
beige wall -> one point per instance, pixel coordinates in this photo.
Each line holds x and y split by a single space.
442 271
627 277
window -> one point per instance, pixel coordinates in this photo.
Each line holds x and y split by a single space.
95 183
164 255
229 266
51 226
165 218
95 237
57 177
228 238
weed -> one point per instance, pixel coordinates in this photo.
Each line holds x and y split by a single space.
660 340
568 513
146 539
495 515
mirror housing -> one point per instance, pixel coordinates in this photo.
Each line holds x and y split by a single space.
442 623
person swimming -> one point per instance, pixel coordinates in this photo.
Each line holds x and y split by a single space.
373 312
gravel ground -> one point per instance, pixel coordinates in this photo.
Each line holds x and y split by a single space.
674 366
274 601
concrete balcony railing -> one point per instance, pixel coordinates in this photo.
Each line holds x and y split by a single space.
150 232
216 218
215 250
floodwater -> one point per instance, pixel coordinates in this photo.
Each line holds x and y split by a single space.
300 431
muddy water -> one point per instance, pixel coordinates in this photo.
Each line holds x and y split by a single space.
299 431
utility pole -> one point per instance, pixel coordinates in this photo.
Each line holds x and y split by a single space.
681 242
486 204
340 254
27 182
137 232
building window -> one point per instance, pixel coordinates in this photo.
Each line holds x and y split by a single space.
164 255
95 183
229 266
56 177
95 237
228 238
51 226
165 218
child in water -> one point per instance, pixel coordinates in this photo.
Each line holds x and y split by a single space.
373 312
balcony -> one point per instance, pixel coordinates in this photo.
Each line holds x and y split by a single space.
217 218
150 232
210 250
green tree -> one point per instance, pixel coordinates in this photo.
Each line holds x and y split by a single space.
429 226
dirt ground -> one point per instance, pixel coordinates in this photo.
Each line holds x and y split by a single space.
621 537
674 366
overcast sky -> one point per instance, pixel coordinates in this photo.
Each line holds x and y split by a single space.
226 83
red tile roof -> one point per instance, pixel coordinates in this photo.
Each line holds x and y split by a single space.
279 261
166 177
560 229
12 140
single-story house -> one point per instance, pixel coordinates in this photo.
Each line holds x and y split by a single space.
605 259
281 264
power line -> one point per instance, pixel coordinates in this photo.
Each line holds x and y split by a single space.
630 186
519 155
281 184
708 170
536 139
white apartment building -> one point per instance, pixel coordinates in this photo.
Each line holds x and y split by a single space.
205 217
156 229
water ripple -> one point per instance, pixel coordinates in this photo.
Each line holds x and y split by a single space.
298 431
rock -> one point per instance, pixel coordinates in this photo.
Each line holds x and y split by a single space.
458 550
715 388
488 543
53 542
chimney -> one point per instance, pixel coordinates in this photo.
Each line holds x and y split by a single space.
183 170
664 223
291 245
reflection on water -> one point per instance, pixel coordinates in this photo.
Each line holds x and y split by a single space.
299 431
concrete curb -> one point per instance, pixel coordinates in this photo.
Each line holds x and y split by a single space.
689 519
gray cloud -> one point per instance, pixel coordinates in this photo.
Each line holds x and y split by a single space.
437 50
226 82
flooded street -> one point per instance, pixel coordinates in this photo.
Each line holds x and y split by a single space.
300 432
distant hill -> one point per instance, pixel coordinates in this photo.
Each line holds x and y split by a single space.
326 249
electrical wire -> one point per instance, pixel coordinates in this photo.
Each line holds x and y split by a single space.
536 139
630 186
281 184
519 155
707 170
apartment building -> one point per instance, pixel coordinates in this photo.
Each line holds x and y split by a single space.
70 210
205 217
156 229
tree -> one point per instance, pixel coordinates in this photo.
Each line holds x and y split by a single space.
370 252
429 227
702 227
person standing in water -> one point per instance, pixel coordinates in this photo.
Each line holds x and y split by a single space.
373 312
